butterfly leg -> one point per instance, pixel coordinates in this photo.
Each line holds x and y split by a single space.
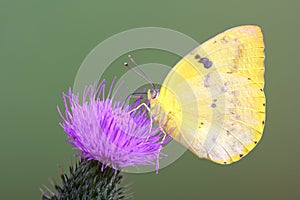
149 112
161 144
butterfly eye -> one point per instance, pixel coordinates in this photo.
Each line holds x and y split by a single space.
153 93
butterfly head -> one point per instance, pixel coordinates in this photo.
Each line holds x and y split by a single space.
153 93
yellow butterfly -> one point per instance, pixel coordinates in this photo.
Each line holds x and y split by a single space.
214 97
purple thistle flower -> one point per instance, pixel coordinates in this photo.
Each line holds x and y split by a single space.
107 131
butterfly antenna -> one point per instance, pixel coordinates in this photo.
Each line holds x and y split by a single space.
135 71
139 71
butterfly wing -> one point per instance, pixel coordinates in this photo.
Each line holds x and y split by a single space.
214 96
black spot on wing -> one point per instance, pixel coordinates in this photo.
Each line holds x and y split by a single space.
205 61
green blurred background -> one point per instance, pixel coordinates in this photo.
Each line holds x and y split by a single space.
43 43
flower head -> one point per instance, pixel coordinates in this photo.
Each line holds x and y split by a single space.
104 129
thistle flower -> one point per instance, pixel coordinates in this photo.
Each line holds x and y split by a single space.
103 129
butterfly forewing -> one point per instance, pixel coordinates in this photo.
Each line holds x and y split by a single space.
214 96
